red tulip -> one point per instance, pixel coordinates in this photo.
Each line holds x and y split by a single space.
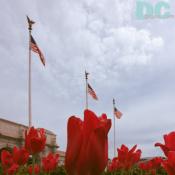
169 164
114 165
87 147
169 143
8 164
20 156
50 162
13 169
127 158
146 166
36 169
151 165
6 159
35 140
156 162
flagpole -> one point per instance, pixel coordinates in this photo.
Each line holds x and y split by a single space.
29 76
86 77
114 127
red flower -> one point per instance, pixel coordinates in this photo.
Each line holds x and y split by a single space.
87 147
114 165
36 169
50 162
169 143
146 166
20 156
156 162
169 164
151 165
35 140
6 159
8 164
13 169
127 158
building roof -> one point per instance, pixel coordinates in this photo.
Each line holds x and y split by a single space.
19 124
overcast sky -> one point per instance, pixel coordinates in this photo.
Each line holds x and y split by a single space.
129 59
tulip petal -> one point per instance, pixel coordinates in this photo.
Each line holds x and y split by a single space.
170 141
91 122
171 158
96 152
105 122
168 168
37 144
163 147
133 149
75 126
100 142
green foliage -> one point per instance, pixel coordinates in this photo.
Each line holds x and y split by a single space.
61 171
1 169
135 171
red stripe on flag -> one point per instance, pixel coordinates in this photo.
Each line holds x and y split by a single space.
36 49
92 92
117 113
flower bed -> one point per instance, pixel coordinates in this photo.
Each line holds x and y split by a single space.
86 154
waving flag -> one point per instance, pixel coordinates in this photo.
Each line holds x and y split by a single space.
35 48
117 113
92 92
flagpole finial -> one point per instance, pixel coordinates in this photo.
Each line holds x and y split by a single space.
30 23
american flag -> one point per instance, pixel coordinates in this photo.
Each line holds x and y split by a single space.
36 49
92 92
117 113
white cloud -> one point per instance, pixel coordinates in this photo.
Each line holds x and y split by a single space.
131 46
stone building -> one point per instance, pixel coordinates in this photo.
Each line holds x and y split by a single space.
61 157
12 134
